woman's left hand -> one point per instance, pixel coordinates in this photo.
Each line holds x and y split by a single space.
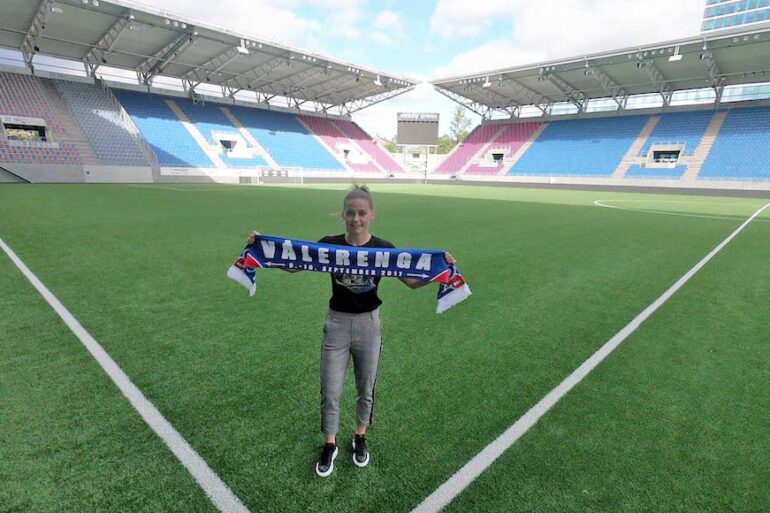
449 258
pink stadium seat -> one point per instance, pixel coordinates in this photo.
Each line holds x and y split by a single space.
334 138
26 96
356 133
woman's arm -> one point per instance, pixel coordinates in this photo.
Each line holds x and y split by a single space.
414 283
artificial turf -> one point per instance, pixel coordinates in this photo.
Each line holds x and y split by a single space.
554 276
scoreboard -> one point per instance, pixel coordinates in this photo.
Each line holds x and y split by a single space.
417 129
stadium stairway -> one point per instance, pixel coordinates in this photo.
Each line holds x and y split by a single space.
72 133
334 140
704 148
458 159
211 153
379 156
473 161
508 141
632 157
522 149
133 130
250 138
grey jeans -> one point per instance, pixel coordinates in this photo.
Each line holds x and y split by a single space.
346 335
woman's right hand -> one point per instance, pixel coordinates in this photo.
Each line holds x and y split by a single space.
253 237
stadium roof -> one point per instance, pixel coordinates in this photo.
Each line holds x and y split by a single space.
705 61
151 42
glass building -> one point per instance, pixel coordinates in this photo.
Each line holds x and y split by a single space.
726 14
723 14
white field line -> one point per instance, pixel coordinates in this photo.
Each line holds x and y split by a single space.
471 470
603 203
217 491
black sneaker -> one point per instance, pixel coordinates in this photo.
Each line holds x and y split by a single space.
360 451
325 464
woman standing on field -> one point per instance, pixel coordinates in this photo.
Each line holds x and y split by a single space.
352 328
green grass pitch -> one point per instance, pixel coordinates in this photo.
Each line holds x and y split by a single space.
674 420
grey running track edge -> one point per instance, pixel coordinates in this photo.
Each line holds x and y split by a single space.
470 471
217 491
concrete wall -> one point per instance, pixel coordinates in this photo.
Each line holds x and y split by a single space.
115 174
8 177
37 173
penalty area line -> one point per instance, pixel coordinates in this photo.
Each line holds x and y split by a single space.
470 471
216 490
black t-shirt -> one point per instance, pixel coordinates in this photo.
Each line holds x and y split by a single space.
353 293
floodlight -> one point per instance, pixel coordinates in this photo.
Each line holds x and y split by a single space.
677 56
487 83
242 50
377 81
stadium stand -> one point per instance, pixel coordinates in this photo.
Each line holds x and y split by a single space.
172 143
464 152
366 143
741 149
210 120
32 97
510 140
98 115
656 173
685 128
336 141
581 147
287 140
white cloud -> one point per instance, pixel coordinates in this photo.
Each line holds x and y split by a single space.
388 28
278 20
500 53
550 29
453 18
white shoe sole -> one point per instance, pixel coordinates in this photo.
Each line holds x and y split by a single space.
355 462
331 467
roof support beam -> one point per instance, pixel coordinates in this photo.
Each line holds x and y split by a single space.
657 79
481 110
572 95
497 101
362 103
201 73
280 86
29 46
337 87
259 84
248 78
616 92
716 79
98 54
155 64
532 96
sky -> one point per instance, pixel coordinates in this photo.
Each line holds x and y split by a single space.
430 39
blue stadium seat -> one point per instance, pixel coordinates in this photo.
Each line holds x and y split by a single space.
209 119
286 139
685 128
580 147
741 150
171 142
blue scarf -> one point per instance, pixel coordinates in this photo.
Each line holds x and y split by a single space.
282 253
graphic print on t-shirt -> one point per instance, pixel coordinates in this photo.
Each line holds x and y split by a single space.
357 284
